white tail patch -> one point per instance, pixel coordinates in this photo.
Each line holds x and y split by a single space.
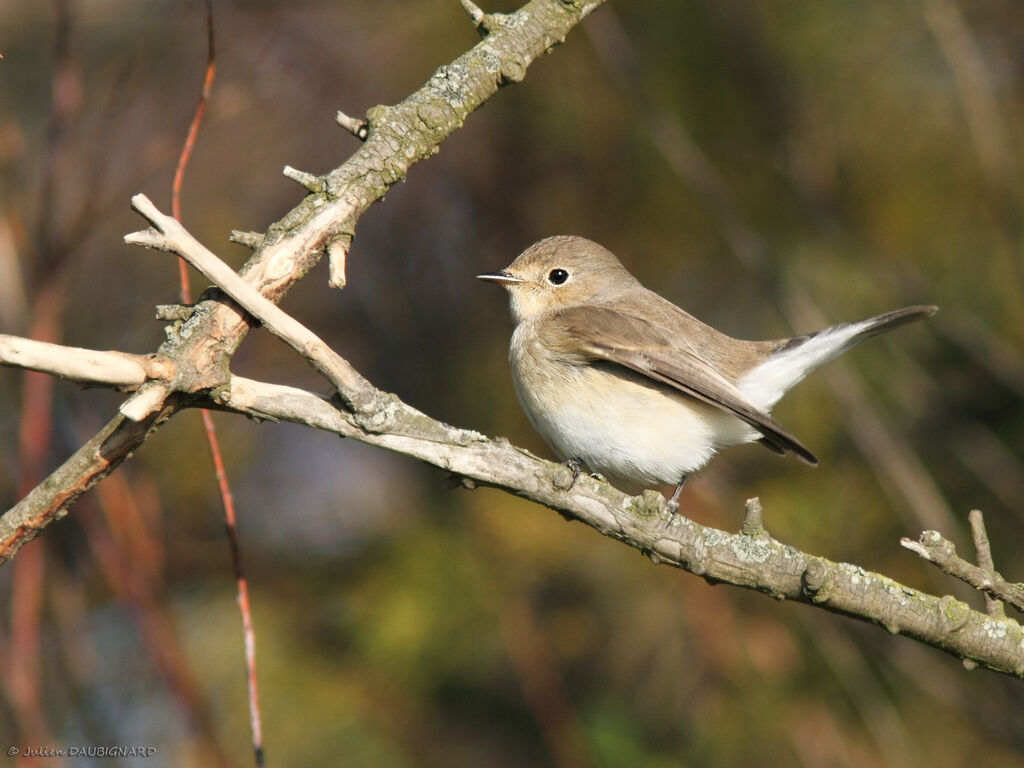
765 385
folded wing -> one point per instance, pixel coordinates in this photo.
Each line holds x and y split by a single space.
601 333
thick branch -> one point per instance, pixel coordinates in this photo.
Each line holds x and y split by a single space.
50 500
200 348
750 559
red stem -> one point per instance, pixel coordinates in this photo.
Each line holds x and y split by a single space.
227 501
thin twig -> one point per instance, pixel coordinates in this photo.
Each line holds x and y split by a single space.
242 585
337 253
190 140
227 500
983 551
145 402
251 240
358 128
941 552
309 181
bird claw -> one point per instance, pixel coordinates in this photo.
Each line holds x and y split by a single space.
576 465
673 502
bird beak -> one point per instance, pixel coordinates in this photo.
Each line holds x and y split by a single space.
501 278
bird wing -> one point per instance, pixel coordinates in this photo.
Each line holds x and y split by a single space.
604 333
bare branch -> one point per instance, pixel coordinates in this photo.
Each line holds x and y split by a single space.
202 346
358 128
942 553
983 551
748 559
310 181
337 252
85 366
170 235
49 500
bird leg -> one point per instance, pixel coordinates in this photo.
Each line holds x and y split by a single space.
673 503
576 465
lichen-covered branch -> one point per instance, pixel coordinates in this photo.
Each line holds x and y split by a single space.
983 552
751 558
191 368
167 234
199 348
940 551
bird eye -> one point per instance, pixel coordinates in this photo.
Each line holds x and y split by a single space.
557 276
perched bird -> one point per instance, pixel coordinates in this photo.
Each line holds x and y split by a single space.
616 377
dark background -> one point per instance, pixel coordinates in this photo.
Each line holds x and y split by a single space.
773 167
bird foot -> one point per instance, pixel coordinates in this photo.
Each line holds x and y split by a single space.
576 465
673 503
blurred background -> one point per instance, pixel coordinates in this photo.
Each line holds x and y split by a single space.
773 167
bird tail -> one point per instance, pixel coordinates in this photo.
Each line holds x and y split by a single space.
794 358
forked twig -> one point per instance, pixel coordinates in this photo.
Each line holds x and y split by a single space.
941 552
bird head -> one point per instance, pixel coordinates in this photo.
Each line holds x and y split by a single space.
559 272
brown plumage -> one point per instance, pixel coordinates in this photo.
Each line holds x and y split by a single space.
619 377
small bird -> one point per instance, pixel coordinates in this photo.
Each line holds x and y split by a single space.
618 378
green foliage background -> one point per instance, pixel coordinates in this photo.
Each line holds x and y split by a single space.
770 166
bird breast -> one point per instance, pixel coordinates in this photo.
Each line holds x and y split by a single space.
621 424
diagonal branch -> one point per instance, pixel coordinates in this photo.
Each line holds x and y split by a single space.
170 235
194 371
201 347
750 559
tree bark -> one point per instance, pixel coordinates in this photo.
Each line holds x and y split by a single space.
191 369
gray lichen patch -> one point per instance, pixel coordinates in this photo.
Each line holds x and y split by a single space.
451 82
750 549
898 592
714 537
857 575
994 628
489 60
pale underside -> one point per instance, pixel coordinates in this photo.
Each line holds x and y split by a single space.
634 431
